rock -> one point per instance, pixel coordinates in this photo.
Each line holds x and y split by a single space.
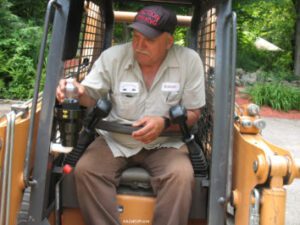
239 72
248 79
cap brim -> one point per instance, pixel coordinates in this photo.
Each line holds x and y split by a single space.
149 32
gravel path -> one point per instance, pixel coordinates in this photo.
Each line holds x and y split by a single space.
286 134
5 105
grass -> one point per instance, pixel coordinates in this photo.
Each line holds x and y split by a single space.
277 95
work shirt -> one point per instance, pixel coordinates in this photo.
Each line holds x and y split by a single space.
116 74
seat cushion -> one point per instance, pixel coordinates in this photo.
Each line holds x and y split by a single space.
134 181
135 177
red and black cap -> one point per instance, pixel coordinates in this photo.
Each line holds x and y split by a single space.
152 21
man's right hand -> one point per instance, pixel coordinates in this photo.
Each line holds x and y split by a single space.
84 98
61 89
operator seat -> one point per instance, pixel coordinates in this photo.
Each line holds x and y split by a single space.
134 181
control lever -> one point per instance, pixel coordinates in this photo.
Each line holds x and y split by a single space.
87 134
178 115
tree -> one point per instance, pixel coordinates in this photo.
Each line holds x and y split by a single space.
297 39
19 47
272 20
29 9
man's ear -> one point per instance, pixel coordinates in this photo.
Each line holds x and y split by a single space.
170 41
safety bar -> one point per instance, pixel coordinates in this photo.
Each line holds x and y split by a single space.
7 169
221 165
232 19
51 3
128 129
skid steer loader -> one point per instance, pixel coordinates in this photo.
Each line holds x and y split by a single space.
239 176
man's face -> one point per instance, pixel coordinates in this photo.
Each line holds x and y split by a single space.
151 52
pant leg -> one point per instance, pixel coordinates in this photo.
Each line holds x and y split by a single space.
97 175
173 181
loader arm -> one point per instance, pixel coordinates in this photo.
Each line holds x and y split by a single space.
260 171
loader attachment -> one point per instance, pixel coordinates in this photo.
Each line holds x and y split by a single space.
14 128
259 198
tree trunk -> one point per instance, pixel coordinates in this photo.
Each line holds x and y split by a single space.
297 40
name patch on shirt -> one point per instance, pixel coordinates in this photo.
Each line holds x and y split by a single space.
170 86
129 87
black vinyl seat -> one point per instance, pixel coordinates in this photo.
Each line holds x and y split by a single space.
134 181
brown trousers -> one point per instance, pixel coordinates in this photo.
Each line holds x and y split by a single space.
97 175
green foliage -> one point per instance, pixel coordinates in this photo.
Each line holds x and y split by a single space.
122 33
9 22
278 76
19 49
29 10
180 36
277 95
272 20
19 56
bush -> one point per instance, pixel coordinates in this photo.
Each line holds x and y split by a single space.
18 58
272 20
20 35
277 95
276 76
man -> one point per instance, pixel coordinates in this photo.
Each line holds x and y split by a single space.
143 79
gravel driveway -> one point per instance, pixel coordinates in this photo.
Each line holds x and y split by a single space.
286 134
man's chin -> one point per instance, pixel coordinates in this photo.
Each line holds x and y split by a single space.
143 60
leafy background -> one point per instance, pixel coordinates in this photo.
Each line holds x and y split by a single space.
20 35
273 20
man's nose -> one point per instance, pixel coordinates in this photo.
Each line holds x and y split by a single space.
141 43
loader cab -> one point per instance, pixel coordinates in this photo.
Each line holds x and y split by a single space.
81 31
89 30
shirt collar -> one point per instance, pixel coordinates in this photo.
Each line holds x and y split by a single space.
171 60
130 59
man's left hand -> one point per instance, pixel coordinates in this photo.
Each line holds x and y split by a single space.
152 126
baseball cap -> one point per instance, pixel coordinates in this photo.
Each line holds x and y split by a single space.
152 21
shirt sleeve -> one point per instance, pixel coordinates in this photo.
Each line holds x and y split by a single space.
194 88
98 82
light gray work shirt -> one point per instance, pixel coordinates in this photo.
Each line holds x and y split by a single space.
179 80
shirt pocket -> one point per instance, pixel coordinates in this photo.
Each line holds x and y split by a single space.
128 106
171 98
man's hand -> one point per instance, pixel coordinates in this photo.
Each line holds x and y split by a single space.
152 127
84 99
61 89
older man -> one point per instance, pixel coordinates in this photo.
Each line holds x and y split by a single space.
143 79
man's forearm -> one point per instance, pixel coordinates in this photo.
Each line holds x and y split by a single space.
192 118
84 98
